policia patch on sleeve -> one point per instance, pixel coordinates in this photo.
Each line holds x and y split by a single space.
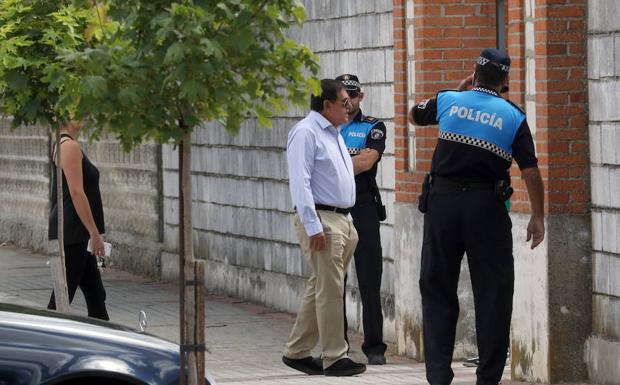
376 134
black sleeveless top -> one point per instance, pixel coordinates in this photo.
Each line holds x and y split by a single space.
74 230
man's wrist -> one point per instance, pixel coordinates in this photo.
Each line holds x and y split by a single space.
313 228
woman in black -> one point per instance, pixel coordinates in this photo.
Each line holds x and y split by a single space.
83 220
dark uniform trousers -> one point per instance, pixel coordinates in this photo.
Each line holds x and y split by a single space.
466 219
369 269
82 271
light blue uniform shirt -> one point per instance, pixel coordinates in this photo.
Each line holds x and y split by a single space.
320 170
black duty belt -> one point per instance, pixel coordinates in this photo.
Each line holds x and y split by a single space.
443 181
333 209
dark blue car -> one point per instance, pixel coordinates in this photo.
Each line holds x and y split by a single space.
49 348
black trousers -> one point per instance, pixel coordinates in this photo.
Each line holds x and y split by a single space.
369 269
473 220
82 271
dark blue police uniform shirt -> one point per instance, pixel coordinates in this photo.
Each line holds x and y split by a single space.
360 133
479 134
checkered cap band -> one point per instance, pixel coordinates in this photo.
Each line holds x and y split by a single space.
476 142
351 83
484 61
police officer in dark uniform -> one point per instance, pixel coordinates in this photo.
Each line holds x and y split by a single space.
464 201
364 137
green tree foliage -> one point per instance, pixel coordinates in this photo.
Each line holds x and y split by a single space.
164 67
32 36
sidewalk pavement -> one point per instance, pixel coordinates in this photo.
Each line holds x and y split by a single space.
244 340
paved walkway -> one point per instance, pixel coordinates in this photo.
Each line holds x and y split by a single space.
244 340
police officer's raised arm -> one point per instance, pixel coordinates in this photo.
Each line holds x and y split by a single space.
424 113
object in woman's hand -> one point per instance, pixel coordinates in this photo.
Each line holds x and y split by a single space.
106 246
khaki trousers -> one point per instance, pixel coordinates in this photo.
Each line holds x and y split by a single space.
320 318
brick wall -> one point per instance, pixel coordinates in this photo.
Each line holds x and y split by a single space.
561 87
448 35
445 37
516 47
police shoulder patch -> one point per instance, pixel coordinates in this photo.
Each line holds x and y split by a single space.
376 134
370 119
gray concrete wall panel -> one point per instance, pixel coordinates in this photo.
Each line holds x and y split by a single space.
602 352
603 16
604 96
570 298
408 229
605 321
130 190
24 185
530 315
603 358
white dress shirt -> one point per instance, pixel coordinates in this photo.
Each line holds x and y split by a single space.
319 168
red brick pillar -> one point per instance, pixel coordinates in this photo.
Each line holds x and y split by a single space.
448 35
552 303
561 84
400 97
516 49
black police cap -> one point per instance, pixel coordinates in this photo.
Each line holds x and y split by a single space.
494 57
351 82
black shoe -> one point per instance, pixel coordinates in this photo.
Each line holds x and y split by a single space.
309 365
376 359
345 367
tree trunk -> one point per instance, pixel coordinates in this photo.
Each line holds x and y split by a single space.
183 327
191 274
59 274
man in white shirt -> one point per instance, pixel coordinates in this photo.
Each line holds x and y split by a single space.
322 184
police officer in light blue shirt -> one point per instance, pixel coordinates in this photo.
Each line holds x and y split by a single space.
364 137
464 201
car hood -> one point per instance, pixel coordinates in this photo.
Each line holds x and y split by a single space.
63 345
71 328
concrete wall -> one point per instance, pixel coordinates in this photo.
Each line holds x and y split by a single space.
242 208
408 228
24 185
130 185
602 351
